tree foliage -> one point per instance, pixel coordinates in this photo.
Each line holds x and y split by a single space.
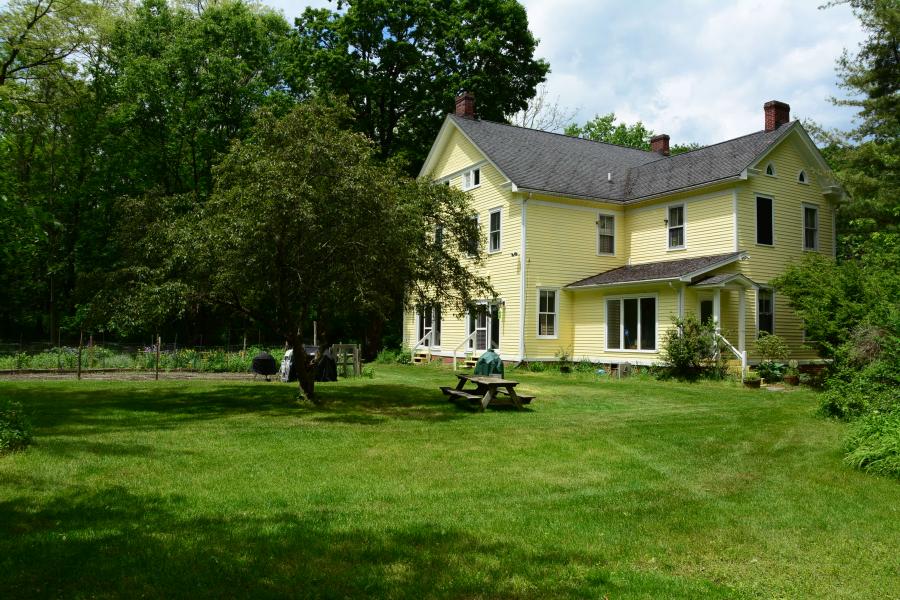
401 64
605 129
306 222
867 159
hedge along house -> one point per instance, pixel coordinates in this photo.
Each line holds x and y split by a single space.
592 248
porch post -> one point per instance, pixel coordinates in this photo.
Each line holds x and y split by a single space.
717 308
742 319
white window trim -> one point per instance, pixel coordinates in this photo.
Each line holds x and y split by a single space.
469 173
805 181
537 323
488 323
803 207
684 220
755 220
615 245
499 211
772 293
418 320
622 323
774 170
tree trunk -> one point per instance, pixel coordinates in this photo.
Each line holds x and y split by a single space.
306 373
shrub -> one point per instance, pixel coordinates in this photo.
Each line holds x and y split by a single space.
771 371
688 347
874 444
585 366
537 367
404 357
15 427
387 356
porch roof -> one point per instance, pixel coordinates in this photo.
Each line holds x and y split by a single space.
722 280
685 269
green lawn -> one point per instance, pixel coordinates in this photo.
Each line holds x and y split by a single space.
634 489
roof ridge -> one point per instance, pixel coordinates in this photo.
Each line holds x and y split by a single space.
734 139
569 137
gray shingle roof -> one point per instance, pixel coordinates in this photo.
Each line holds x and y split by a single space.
668 269
560 164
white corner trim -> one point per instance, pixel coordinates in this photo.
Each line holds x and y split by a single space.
734 215
522 265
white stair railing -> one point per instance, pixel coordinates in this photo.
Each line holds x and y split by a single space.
470 337
415 347
740 354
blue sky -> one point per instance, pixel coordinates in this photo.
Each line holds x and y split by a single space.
698 70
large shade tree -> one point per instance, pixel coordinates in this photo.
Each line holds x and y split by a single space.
307 222
401 64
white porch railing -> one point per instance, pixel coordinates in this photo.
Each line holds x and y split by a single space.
740 354
421 342
469 338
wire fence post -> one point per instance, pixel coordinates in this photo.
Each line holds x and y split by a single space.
80 346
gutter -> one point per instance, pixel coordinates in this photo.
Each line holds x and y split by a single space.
522 263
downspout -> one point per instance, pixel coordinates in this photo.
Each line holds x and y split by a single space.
522 262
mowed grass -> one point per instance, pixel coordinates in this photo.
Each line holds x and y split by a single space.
630 489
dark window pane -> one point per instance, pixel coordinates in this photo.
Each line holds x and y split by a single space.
676 216
765 310
706 310
648 323
630 317
476 177
436 331
676 237
607 245
613 309
764 221
495 326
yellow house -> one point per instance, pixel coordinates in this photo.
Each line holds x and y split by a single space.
592 248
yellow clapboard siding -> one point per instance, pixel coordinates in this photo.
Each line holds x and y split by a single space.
709 227
561 243
767 262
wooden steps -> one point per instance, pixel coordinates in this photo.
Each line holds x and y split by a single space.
421 358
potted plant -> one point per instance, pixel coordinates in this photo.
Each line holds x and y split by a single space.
792 374
752 380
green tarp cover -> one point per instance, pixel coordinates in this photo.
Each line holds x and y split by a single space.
489 364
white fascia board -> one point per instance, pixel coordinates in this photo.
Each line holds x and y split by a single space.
437 147
713 267
737 277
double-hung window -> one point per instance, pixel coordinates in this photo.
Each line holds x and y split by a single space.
675 224
765 223
810 227
471 179
494 231
548 309
606 234
631 323
765 311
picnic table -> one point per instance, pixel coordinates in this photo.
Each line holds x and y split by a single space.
495 391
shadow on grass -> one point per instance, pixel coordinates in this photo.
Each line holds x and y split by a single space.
99 409
112 543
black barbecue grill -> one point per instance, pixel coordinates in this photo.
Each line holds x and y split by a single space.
264 364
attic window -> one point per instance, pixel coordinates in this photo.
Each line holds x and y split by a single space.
770 170
471 179
801 178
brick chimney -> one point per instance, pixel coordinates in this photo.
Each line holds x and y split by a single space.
777 114
660 144
465 105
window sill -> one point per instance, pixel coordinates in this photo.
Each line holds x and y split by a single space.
632 351
765 245
498 251
469 189
607 254
676 249
547 337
